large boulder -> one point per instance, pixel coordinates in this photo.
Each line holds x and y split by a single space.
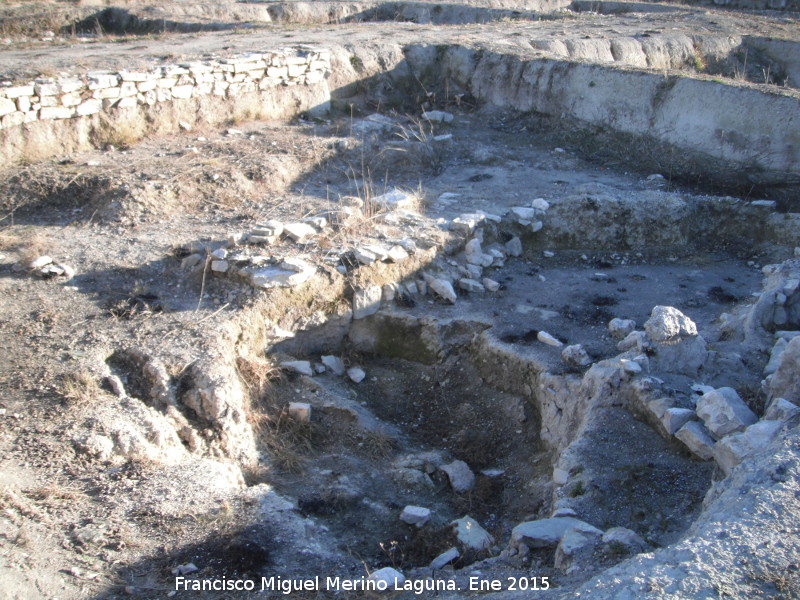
669 325
724 412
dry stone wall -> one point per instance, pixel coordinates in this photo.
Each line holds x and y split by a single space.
104 93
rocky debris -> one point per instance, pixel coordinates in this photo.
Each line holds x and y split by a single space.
723 412
290 272
548 254
471 535
780 409
575 356
514 247
490 285
697 439
635 340
467 222
675 418
438 116
631 367
575 545
303 367
621 328
415 515
547 533
620 539
733 449
785 381
460 476
43 266
367 301
560 477
397 253
475 256
220 266
548 339
267 232
470 285
669 325
300 411
444 559
775 356
334 363
395 200
191 261
95 445
356 374
297 232
186 569
388 578
442 288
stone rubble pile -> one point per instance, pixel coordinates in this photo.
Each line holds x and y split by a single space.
49 98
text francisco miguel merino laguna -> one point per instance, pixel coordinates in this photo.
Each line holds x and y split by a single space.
289 586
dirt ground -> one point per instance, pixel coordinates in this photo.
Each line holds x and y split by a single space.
77 526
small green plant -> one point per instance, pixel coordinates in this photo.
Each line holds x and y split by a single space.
577 490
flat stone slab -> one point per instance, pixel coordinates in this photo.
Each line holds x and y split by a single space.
546 533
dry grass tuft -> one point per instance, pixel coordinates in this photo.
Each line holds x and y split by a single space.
80 388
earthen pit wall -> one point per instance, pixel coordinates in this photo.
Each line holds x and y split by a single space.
50 117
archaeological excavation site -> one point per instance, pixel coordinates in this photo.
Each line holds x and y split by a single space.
316 299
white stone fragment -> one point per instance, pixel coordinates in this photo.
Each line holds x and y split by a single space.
444 559
548 254
620 328
544 533
39 262
300 411
575 356
298 231
415 515
560 477
697 439
490 284
220 266
574 543
723 412
470 285
540 204
667 324
514 247
303 367
397 253
438 116
623 537
356 374
334 363
471 535
443 289
674 418
388 578
548 339
460 476
523 213
366 302
775 356
394 200
630 366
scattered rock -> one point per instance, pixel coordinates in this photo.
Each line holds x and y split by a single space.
438 116
388 578
514 247
290 273
397 253
575 356
356 374
303 367
560 477
38 263
444 559
775 356
394 200
723 412
443 289
471 534
297 232
415 515
220 266
780 409
621 539
668 325
191 261
540 204
548 254
697 439
675 418
575 544
490 284
548 339
300 411
734 448
545 533
460 475
470 285
367 302
334 363
186 569
621 328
